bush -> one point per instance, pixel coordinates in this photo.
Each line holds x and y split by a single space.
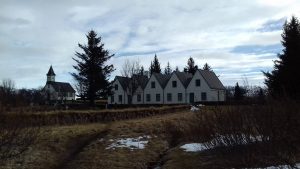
256 134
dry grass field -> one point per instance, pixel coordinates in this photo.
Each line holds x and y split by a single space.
155 141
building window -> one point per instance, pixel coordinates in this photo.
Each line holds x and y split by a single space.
179 97
174 83
158 97
169 97
120 98
153 85
203 96
198 82
112 99
116 87
139 98
148 97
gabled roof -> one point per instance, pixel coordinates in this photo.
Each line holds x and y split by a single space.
162 79
184 77
62 87
212 80
124 81
51 72
141 80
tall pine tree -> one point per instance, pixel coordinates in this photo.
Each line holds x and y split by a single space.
155 66
284 80
168 69
191 67
91 67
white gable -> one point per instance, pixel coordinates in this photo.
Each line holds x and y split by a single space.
153 92
174 92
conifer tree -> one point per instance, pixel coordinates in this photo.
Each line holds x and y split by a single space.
238 92
155 66
168 69
284 80
91 67
191 67
207 67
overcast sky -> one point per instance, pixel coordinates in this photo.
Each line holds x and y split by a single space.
238 38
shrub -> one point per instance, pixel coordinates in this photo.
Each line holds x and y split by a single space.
256 134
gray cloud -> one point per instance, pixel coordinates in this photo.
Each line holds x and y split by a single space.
35 34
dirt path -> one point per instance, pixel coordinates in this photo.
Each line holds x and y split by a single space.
77 148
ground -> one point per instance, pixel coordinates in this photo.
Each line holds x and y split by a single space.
137 143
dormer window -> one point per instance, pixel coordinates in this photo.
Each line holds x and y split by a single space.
198 83
116 87
174 84
153 85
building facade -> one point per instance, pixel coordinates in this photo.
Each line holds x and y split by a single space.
177 88
57 91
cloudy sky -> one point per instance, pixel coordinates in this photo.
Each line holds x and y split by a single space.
238 38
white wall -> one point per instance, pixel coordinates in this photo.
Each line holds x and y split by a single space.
54 95
157 90
174 91
140 91
192 88
117 93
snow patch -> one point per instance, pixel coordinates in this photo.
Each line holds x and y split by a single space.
193 147
131 143
196 147
194 109
276 167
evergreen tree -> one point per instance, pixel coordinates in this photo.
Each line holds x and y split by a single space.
151 68
168 69
142 71
191 67
207 67
177 69
238 92
92 70
284 80
155 66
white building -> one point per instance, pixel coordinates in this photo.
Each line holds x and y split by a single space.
177 88
57 91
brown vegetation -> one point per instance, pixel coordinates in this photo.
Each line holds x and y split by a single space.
92 116
244 136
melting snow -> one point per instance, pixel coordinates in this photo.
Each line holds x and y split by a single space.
193 147
194 109
132 143
280 166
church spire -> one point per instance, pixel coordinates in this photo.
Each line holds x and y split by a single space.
51 72
51 75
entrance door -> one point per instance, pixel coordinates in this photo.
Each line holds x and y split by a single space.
191 97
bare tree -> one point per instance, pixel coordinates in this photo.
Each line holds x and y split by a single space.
16 135
130 68
134 71
7 92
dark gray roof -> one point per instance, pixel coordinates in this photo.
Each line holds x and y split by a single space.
211 79
51 72
141 80
162 79
184 77
62 87
124 81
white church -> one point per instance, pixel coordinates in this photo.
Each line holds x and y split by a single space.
57 91
176 88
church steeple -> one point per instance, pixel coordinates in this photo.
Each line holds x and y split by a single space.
51 75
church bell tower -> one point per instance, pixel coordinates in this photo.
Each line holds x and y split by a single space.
50 75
